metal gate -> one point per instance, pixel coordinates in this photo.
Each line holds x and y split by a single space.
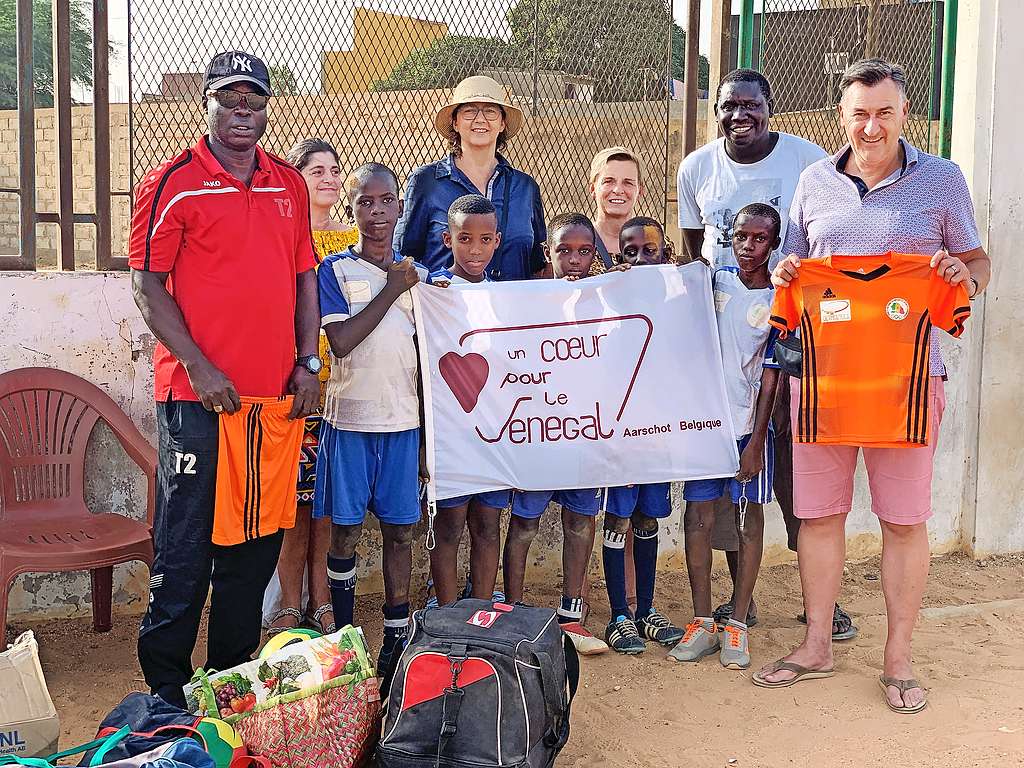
803 46
370 81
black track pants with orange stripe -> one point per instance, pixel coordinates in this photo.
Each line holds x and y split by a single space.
187 563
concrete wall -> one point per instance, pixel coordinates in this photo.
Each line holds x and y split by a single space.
85 323
985 142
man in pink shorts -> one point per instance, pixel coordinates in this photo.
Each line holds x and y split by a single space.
879 194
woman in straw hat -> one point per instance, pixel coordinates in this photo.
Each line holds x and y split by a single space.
477 122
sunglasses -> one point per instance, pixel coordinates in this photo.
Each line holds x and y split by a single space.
228 99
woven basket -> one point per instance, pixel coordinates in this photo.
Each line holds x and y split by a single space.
334 725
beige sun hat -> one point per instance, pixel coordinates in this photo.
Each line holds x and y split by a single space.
478 89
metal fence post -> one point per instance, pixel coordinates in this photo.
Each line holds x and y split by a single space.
745 45
950 8
26 258
65 217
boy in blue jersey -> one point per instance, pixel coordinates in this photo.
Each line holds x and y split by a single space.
743 297
641 242
370 451
571 248
473 237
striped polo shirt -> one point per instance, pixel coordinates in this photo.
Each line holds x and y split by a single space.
923 206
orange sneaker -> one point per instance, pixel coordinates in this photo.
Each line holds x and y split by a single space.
701 639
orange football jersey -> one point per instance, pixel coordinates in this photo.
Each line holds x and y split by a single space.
865 324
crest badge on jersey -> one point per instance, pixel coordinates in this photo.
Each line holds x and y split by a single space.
897 309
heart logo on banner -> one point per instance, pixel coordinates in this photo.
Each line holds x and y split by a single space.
465 376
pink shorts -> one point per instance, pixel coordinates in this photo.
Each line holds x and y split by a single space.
900 478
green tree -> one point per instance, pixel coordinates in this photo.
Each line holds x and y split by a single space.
42 50
446 61
679 60
282 80
621 45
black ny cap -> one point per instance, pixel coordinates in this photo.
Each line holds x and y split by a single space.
236 67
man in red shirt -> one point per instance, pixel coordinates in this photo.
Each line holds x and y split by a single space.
222 270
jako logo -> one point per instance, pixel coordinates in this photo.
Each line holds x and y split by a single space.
483 619
211 183
13 738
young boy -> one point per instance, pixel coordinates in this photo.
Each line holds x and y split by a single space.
369 456
641 242
571 248
743 296
473 237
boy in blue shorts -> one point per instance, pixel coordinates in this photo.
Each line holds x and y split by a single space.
641 242
571 248
369 456
473 237
743 296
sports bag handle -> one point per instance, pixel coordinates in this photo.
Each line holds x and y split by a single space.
553 691
102 745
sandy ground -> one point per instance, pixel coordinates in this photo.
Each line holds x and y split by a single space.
648 711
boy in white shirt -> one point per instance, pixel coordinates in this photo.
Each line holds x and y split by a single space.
370 449
743 299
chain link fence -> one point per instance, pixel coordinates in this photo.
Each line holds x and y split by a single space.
369 79
803 46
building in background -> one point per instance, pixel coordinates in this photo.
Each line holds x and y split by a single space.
380 41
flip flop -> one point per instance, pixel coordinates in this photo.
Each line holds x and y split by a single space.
316 619
295 613
802 673
903 686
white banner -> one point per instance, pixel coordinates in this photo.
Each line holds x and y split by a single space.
549 384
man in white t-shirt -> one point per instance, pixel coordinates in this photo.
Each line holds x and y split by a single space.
749 164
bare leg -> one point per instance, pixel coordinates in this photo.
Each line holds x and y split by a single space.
397 562
822 550
485 547
748 559
698 521
905 559
316 556
291 565
444 558
521 532
577 544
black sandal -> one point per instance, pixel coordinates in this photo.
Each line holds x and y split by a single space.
842 625
724 612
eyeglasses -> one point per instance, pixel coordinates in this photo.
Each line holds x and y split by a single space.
228 99
491 114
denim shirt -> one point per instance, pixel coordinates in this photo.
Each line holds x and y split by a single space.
434 187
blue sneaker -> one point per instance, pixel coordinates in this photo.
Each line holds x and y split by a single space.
431 597
623 636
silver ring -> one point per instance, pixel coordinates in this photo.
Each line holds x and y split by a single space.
218 408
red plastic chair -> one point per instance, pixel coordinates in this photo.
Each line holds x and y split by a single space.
46 417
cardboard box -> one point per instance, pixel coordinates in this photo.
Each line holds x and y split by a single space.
29 725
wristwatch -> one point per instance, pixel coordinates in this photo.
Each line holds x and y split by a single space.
311 363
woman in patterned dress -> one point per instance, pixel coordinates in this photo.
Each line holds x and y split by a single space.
300 576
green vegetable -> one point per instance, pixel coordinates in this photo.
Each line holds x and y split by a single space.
242 684
292 667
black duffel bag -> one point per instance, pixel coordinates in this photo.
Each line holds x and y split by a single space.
480 684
